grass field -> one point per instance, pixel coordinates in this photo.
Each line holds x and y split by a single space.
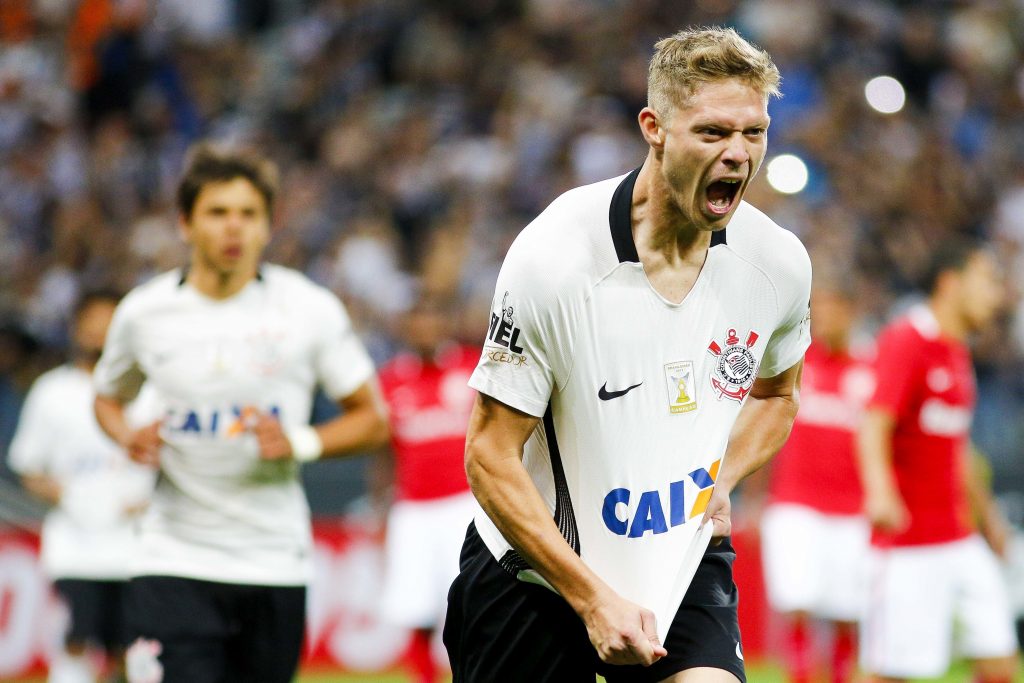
761 673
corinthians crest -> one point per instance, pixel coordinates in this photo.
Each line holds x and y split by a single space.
735 366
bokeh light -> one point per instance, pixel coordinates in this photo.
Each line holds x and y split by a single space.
787 173
885 94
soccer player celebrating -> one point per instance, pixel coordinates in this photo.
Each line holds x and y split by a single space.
929 566
96 492
233 349
814 536
430 402
643 356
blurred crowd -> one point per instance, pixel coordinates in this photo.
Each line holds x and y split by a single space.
416 137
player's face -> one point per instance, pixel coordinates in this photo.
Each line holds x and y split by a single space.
832 316
426 328
229 227
981 290
91 328
713 147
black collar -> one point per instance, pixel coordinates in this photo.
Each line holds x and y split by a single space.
184 275
620 218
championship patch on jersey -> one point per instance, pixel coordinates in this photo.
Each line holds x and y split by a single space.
503 337
735 367
682 389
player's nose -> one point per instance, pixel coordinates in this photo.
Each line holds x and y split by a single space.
735 153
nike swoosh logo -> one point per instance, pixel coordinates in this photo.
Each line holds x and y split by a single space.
606 395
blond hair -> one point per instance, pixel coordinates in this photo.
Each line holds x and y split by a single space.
687 60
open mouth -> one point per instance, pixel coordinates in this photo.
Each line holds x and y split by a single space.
722 195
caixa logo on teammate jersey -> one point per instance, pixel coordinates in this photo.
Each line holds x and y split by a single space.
623 519
503 337
228 421
735 366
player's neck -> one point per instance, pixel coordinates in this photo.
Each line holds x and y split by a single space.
672 252
951 322
218 284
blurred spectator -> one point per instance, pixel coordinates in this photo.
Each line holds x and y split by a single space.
419 130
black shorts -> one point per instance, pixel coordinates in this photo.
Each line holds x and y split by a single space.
501 629
97 612
219 632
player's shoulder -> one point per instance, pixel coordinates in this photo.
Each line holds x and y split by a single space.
297 288
913 328
570 241
153 291
762 242
56 381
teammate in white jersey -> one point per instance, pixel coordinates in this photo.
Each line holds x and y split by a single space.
233 349
639 363
64 459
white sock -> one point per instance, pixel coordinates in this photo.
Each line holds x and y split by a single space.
68 668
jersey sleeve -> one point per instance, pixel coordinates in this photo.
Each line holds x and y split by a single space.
341 361
117 373
792 336
896 371
528 348
32 446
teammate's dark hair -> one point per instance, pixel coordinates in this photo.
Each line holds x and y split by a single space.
951 255
93 296
207 163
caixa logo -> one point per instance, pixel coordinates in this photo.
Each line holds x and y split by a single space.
228 421
649 514
502 331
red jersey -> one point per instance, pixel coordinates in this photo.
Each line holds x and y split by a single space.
817 467
926 382
430 403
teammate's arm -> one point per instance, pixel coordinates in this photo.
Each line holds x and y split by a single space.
621 632
142 445
362 426
43 487
761 429
882 502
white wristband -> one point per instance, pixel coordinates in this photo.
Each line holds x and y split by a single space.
306 443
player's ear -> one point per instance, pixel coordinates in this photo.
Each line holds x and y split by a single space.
650 126
184 228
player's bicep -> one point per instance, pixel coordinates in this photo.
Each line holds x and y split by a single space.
496 432
786 384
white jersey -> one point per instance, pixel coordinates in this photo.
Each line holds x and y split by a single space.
219 512
90 534
637 394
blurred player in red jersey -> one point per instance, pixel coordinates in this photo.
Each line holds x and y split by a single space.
929 565
426 389
814 535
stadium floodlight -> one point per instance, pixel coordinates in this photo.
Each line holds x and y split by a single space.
885 94
787 173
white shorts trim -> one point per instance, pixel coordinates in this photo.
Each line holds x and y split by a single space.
424 540
814 562
916 595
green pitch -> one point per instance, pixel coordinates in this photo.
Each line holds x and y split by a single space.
761 673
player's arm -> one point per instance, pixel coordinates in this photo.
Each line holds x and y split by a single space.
362 426
991 523
142 445
622 633
43 487
882 502
761 429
